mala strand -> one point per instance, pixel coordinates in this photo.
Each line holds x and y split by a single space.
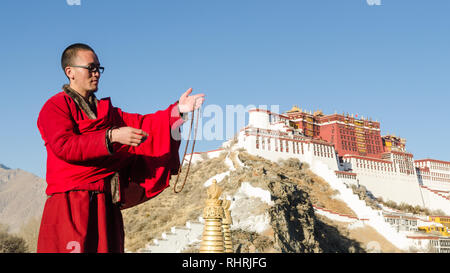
185 150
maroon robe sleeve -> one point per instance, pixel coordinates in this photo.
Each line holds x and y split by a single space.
59 133
155 160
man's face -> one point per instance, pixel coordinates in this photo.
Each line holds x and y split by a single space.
82 79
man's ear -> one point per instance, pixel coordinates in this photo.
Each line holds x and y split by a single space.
69 72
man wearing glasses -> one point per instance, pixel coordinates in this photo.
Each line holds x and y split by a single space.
100 159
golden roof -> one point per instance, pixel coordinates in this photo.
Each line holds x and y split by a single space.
294 109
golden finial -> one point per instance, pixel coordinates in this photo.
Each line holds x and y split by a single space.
214 191
226 225
212 239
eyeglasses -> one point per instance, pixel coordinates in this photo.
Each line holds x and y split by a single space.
92 68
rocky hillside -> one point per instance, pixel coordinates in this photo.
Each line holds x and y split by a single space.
22 197
272 208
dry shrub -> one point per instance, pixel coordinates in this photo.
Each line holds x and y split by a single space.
30 232
365 195
411 209
251 242
10 243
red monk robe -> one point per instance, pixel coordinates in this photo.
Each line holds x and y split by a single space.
79 215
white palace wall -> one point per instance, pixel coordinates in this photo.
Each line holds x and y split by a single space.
382 180
399 188
435 201
274 148
437 185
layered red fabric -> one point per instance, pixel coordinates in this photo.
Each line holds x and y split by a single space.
81 222
77 154
78 163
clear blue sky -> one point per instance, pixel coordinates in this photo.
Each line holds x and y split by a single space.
389 62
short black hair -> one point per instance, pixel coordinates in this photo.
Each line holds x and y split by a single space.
70 52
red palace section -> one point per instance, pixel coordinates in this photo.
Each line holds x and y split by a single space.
349 134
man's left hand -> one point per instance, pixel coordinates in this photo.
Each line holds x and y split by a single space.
188 103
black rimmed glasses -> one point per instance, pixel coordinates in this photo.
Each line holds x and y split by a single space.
92 68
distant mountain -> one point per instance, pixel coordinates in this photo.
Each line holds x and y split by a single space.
22 197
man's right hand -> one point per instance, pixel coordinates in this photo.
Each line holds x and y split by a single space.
128 136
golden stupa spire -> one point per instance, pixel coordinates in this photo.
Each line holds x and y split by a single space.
212 238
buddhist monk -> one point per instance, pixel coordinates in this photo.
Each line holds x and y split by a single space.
101 159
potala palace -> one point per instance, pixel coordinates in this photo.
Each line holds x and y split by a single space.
344 150
354 149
